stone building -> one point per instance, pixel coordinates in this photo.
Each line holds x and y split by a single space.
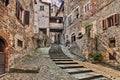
41 22
48 25
93 25
16 31
56 24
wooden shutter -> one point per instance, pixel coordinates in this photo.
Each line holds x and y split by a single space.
116 19
17 9
26 17
104 23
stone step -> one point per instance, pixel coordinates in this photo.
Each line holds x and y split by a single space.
66 62
75 69
101 78
70 66
62 59
81 71
87 76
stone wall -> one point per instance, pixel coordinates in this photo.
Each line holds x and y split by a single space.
14 30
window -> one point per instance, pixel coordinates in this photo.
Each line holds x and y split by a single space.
20 43
21 14
41 8
112 42
73 37
110 21
87 7
77 14
112 56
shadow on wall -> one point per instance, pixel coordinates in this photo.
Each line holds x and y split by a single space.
74 49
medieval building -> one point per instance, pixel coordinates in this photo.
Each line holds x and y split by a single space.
48 26
16 31
41 22
93 25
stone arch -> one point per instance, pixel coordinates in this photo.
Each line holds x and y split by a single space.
4 52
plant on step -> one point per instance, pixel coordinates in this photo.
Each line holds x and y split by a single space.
96 57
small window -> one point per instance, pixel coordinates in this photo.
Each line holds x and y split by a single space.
112 56
73 37
87 7
111 21
41 8
112 42
20 43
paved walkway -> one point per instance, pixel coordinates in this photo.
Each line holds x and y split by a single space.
47 69
38 61
108 72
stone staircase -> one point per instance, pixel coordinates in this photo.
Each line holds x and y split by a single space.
74 68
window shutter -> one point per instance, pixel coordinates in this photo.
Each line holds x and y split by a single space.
104 23
26 17
17 9
116 19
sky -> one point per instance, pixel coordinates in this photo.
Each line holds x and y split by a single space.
54 2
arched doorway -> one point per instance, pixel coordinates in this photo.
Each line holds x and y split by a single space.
2 56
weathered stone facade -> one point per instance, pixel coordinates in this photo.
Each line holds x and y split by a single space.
41 22
91 24
14 31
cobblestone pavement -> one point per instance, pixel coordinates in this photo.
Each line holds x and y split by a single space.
37 61
108 72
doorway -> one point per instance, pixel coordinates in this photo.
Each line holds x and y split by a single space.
2 56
